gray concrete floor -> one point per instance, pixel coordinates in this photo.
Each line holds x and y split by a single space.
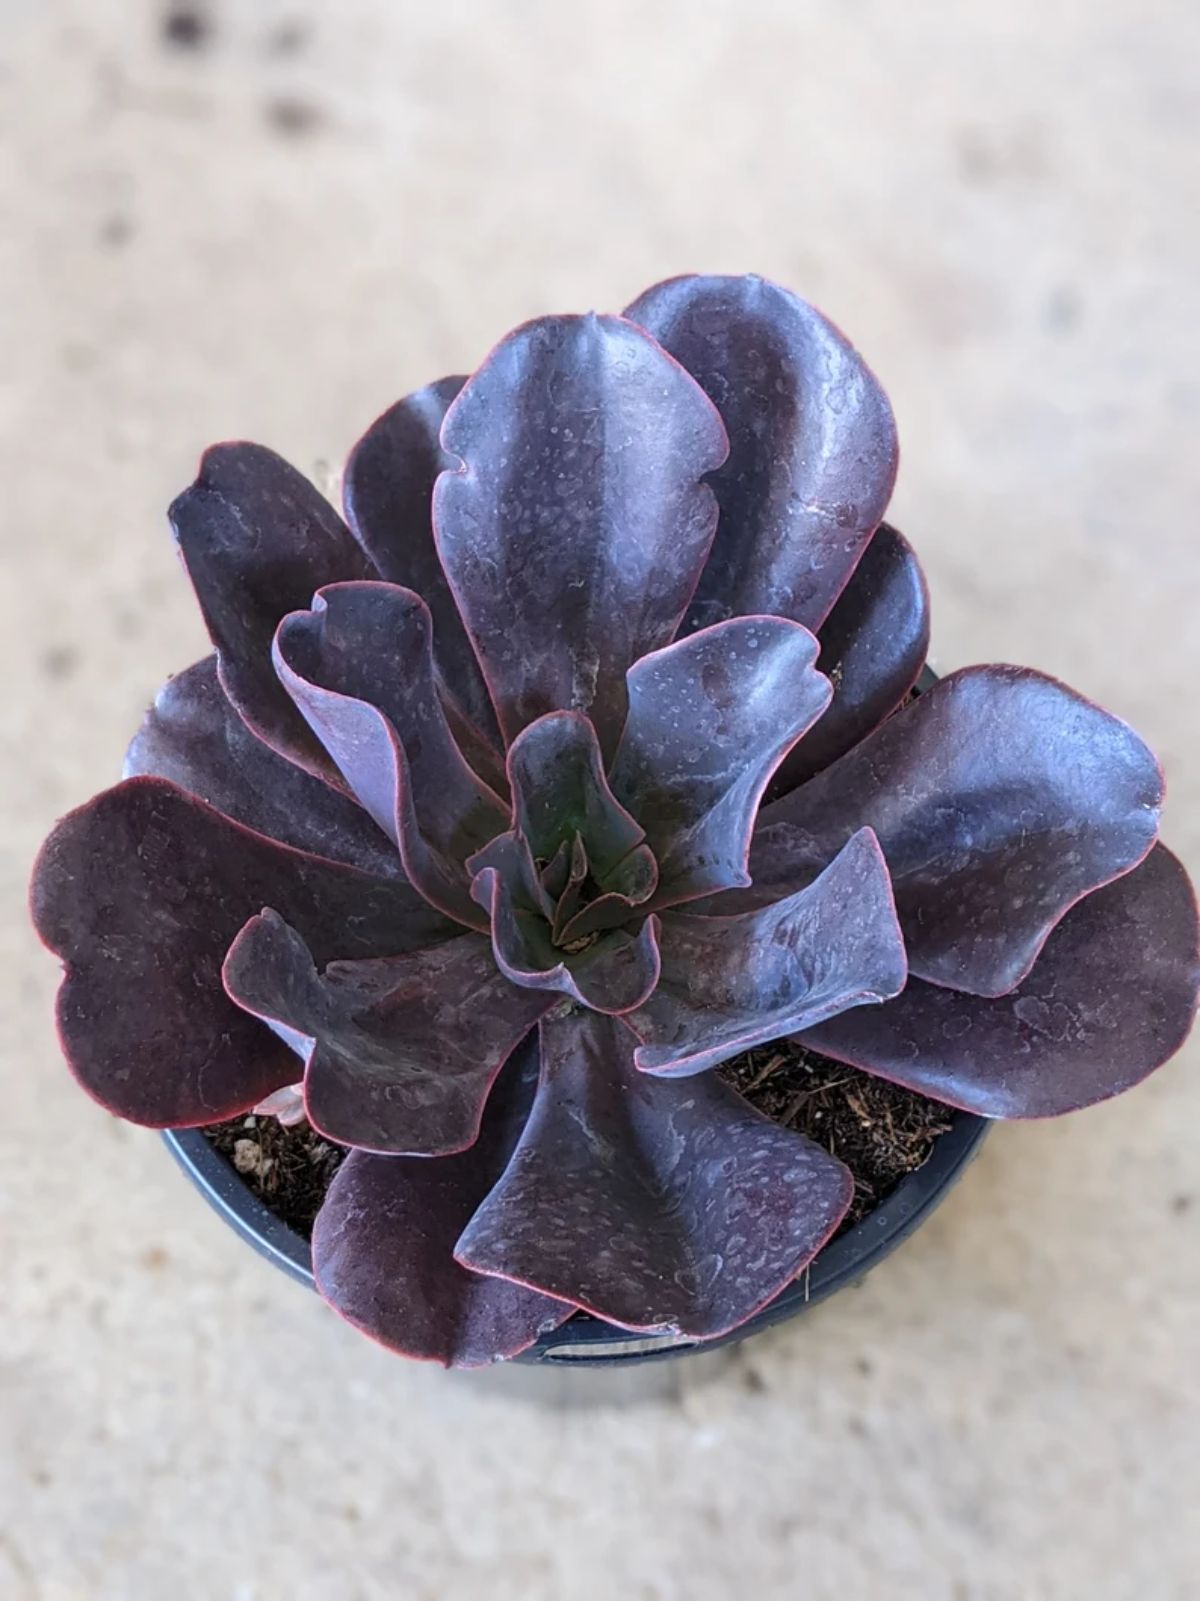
276 232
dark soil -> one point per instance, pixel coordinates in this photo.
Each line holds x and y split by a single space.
289 1169
879 1130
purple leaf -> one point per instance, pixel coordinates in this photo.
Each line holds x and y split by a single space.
1110 998
387 493
633 881
570 897
384 1240
574 533
193 737
559 790
560 793
359 666
709 719
140 893
613 972
873 646
480 753
813 446
400 1051
999 797
557 873
258 540
729 983
652 1203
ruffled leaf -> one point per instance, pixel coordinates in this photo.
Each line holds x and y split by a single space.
387 492
710 717
559 791
729 983
574 533
193 737
141 892
1110 998
570 899
813 447
614 971
873 645
652 1203
384 1240
359 666
999 797
400 1051
258 540
560 795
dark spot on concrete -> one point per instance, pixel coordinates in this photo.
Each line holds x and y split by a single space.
293 117
753 1381
186 27
42 1477
864 1365
287 38
116 231
351 1514
976 160
154 1259
59 661
856 1426
128 623
1016 153
78 358
1063 309
1180 1204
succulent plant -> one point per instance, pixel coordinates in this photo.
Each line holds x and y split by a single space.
467 813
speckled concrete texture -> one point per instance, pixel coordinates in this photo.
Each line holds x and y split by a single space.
273 223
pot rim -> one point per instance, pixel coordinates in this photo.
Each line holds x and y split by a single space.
585 1340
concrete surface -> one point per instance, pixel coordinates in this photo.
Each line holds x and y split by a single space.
274 232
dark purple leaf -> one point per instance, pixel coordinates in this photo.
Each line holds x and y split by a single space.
636 876
614 971
560 793
575 531
384 1241
510 857
258 541
401 1051
813 447
140 892
559 790
873 646
387 492
709 719
479 751
652 1203
1110 998
359 666
556 874
729 983
193 736
570 898
999 797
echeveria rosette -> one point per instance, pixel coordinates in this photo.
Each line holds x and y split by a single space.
467 814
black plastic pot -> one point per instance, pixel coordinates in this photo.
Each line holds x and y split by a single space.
584 1340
